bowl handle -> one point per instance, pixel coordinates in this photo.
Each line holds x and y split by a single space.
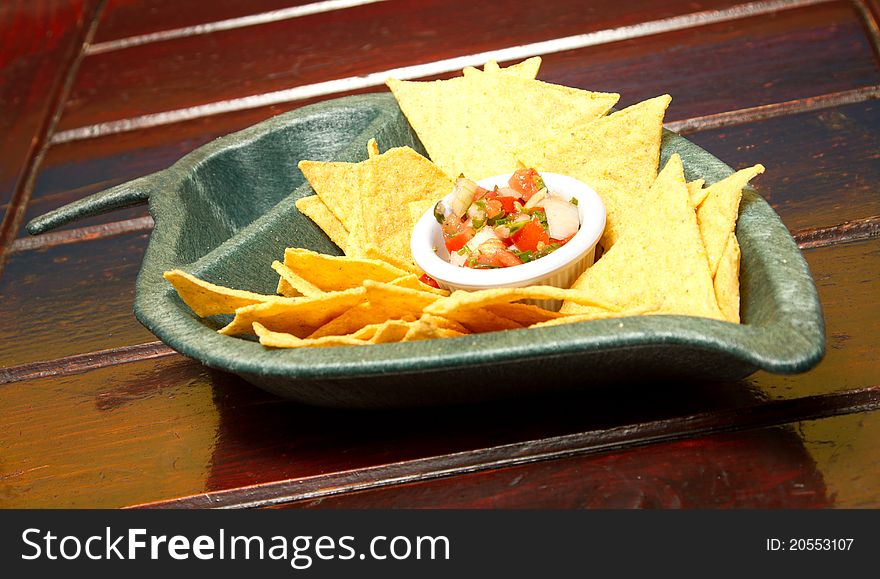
129 194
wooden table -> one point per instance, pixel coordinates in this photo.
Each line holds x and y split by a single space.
95 413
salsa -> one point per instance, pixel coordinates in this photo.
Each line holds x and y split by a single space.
506 226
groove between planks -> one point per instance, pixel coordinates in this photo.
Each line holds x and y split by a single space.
84 362
768 414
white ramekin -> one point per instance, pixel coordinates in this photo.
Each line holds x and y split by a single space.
560 268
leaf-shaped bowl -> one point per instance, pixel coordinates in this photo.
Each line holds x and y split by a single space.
225 211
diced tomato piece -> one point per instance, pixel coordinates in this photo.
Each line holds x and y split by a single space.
493 208
428 280
562 241
526 181
460 239
493 253
530 235
507 204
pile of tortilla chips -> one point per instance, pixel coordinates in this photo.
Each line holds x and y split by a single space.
669 246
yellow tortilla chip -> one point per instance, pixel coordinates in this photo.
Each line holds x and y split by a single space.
208 299
392 180
371 251
411 281
445 323
403 300
525 314
315 209
298 316
527 69
480 320
696 193
418 208
338 185
335 273
616 155
473 124
372 148
427 329
718 213
592 314
361 315
465 300
292 285
659 262
272 339
727 280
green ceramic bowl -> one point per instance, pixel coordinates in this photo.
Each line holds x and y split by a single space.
226 211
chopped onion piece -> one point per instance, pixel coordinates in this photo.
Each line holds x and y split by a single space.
536 199
563 219
462 195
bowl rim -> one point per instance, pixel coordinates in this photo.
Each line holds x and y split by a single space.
591 210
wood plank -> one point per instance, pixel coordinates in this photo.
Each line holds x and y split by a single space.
821 166
126 18
38 42
230 64
832 462
731 65
70 299
233 435
847 290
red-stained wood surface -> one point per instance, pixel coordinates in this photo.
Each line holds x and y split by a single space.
70 299
230 64
810 464
123 19
39 41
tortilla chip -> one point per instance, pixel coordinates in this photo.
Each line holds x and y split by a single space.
292 285
371 251
418 208
473 124
412 281
208 299
357 317
527 69
480 320
298 316
271 339
663 268
372 148
402 300
727 280
338 185
718 213
427 329
616 155
696 193
315 209
592 314
525 314
391 181
466 300
445 323
336 273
